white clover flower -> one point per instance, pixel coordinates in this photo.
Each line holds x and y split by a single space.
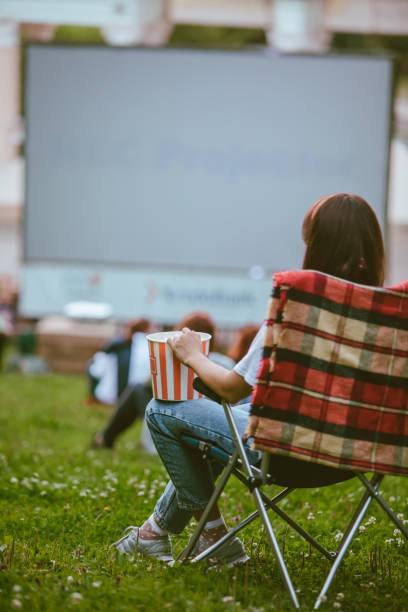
43 493
371 520
103 494
227 599
337 604
83 493
16 603
14 480
76 597
400 516
338 536
310 516
361 528
140 493
391 499
397 532
16 588
45 483
70 579
340 596
96 584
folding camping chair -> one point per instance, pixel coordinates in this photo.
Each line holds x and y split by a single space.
332 391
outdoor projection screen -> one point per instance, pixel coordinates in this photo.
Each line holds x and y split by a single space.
195 159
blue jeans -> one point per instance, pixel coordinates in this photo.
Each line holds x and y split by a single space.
191 479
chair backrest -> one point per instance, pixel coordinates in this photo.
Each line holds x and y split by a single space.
333 383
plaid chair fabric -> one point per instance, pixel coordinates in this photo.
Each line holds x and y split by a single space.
333 383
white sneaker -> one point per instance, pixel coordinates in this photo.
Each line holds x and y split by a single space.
131 543
230 553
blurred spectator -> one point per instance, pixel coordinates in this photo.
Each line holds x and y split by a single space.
243 340
133 400
123 362
23 357
6 330
8 300
202 322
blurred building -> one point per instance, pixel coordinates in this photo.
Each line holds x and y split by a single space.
290 26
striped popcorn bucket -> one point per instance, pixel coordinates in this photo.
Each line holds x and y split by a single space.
171 379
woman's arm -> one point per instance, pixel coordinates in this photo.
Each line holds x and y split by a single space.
227 383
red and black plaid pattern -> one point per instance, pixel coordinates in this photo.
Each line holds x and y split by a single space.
333 383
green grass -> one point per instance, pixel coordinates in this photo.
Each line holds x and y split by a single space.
61 505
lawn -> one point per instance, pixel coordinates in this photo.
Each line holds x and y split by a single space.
61 505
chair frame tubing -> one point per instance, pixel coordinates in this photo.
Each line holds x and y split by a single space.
253 478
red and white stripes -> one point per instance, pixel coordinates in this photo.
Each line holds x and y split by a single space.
171 380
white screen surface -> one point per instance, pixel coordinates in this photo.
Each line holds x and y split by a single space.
195 158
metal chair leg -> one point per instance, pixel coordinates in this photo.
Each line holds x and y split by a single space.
347 538
244 523
275 547
272 503
384 505
212 502
260 505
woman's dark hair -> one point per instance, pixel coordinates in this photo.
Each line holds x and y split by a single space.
343 238
199 321
244 337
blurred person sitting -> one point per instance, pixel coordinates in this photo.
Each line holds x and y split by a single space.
122 362
8 306
201 321
242 342
134 399
6 331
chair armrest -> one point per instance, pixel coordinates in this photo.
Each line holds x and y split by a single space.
201 387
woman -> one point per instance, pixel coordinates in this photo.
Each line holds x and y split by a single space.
343 238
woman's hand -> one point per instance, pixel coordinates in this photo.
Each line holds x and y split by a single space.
227 383
186 346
